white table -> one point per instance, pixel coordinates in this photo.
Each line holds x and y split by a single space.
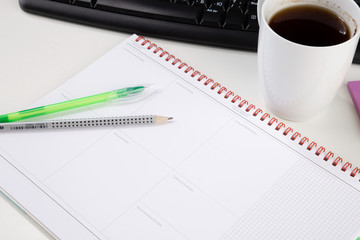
37 54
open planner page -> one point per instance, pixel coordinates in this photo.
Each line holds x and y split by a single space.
214 172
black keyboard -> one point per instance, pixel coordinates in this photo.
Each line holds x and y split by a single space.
224 23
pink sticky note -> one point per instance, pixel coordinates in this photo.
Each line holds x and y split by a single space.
354 89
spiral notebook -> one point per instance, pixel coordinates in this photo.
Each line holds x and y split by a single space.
222 169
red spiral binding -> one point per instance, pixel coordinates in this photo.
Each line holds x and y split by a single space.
311 146
221 90
228 94
336 161
195 73
257 111
145 42
163 54
237 97
328 155
215 85
202 77
303 140
279 126
151 45
264 116
295 135
182 65
176 61
170 57
189 69
208 81
355 171
346 166
139 38
286 132
319 151
242 103
251 106
271 122
158 49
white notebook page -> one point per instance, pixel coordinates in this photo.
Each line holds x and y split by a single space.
214 172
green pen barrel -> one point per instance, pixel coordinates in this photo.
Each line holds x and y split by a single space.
76 103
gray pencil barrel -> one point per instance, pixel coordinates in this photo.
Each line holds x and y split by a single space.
80 123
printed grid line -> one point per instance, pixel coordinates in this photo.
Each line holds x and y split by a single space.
308 203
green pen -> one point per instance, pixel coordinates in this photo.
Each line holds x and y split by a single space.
80 102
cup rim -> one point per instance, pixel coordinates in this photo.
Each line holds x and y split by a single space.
352 38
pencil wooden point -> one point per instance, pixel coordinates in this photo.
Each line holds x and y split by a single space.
161 119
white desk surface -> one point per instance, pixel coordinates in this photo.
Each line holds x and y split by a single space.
37 54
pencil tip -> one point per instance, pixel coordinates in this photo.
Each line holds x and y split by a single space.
160 119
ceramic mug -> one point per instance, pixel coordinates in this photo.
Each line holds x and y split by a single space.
299 81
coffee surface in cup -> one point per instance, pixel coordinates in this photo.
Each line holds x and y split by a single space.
310 25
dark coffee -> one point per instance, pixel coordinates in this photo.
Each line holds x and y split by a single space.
310 25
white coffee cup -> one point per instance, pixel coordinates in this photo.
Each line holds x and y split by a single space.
299 81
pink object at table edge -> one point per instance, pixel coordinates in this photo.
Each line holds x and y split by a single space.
354 89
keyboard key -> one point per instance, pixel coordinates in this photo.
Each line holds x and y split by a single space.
84 3
63 1
218 4
252 6
212 17
253 25
235 19
240 5
184 2
200 3
152 9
